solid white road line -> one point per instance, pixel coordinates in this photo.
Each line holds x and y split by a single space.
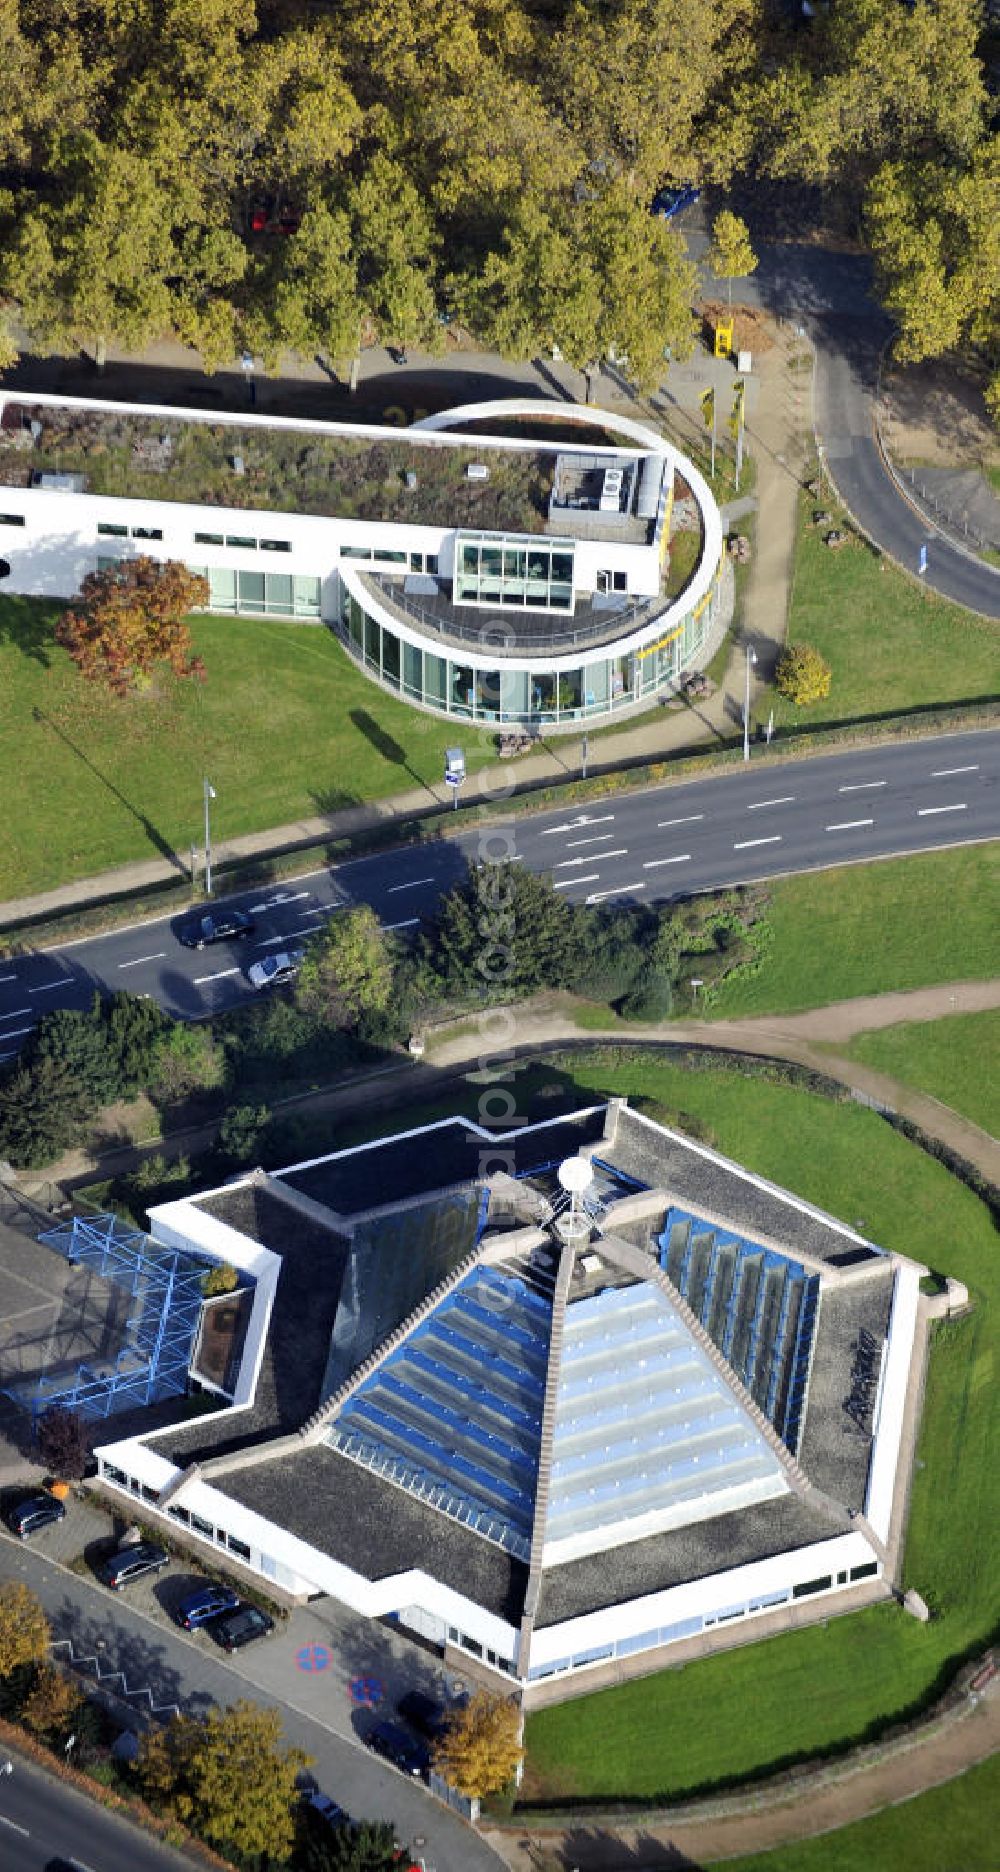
12 1824
50 987
573 825
745 844
565 863
221 976
12 1013
925 812
599 838
942 773
570 883
157 956
690 820
599 896
652 864
393 888
410 921
848 825
861 786
758 805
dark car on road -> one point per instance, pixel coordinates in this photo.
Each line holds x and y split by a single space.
423 1713
396 1745
240 1627
206 1602
217 926
132 1563
36 1511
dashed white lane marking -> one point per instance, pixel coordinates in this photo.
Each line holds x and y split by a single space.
599 838
599 896
848 825
13 1825
942 773
573 825
393 888
8 977
410 921
12 1013
758 805
652 864
50 987
925 812
745 844
220 976
690 820
16 1032
861 786
157 956
7 1056
569 883
257 909
564 864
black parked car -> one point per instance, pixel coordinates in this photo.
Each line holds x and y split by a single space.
131 1563
424 1714
235 1629
218 926
36 1511
396 1745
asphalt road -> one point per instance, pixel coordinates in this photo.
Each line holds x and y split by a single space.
758 821
180 1671
44 1824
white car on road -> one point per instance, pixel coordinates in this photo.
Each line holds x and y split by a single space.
272 970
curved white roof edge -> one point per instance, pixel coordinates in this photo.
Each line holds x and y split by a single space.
591 413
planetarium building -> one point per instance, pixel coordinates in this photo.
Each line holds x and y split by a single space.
523 563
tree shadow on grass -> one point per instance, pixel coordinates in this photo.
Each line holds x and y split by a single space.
29 625
587 1847
152 832
384 744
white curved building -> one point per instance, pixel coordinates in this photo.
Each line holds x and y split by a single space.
518 562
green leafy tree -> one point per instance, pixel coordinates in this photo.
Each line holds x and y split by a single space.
481 1747
43 1109
241 1130
24 1629
501 933
370 1846
135 1029
63 1444
347 971
303 295
78 1039
228 1777
188 1059
802 674
221 1279
731 255
935 232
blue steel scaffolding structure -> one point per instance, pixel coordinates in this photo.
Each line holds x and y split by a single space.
153 1363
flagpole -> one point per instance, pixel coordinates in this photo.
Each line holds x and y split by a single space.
713 436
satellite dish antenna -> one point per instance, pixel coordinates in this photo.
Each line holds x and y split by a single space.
575 1175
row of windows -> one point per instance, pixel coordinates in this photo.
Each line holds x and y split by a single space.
513 573
452 687
262 594
196 1523
244 541
381 555
110 530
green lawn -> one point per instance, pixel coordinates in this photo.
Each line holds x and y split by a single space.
957 1060
285 725
949 1829
868 929
744 1713
891 644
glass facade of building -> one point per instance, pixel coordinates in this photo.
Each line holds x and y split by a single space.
531 575
254 594
438 679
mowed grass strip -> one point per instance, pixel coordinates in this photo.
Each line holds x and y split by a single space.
891 643
746 1712
870 929
951 1828
284 726
956 1059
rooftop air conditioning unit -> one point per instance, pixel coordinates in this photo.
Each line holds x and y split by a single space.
477 471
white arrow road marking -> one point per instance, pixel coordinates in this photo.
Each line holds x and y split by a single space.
599 896
573 825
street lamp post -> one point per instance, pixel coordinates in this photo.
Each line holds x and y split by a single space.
209 791
751 658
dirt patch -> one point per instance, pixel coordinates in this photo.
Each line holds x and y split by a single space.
750 327
934 415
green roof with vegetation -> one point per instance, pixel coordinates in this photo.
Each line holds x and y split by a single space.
309 471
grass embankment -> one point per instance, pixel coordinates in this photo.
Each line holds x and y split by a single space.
956 1060
891 643
949 1827
744 1713
872 929
284 726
